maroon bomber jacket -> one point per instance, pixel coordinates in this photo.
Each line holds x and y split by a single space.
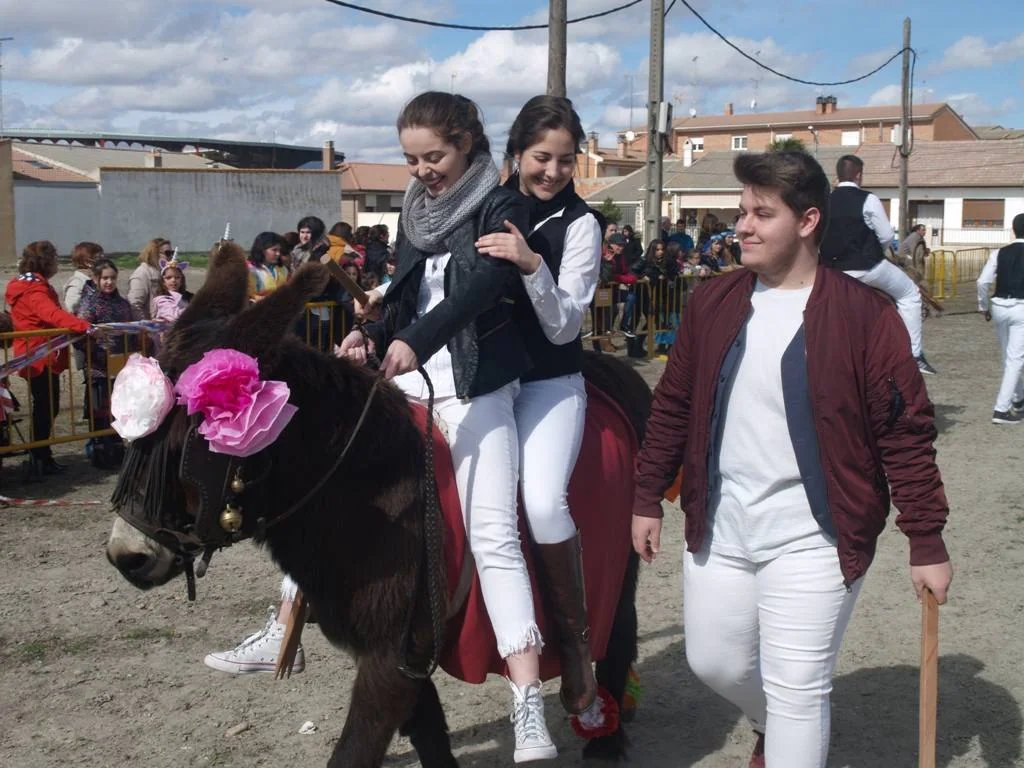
874 422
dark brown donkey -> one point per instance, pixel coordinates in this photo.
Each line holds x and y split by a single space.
354 544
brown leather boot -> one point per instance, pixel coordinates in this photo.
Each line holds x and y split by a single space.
561 567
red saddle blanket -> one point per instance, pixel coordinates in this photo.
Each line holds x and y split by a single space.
600 499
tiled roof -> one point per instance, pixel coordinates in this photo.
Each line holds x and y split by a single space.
947 164
998 132
88 160
374 177
29 167
587 187
634 155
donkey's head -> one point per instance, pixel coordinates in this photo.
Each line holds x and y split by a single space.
176 499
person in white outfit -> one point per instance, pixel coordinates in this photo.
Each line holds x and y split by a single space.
450 309
559 257
858 235
1005 269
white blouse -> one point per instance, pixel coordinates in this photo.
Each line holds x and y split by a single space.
439 366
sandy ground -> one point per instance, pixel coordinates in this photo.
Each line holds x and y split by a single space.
95 673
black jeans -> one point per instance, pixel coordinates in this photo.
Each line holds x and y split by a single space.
45 390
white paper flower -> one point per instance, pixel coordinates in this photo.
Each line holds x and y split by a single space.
141 399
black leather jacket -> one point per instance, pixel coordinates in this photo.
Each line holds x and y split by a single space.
476 318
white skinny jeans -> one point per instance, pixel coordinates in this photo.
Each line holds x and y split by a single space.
550 415
485 455
1010 330
890 279
765 636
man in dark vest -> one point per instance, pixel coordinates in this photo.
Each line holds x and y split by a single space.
1005 268
858 234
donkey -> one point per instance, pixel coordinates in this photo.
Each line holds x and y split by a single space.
354 538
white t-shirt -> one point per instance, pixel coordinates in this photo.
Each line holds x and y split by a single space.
439 366
760 509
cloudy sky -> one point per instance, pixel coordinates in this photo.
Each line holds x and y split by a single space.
303 71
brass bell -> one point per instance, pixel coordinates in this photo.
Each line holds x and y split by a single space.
231 519
237 484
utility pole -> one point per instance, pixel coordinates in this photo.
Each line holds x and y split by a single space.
655 93
905 134
557 18
2 41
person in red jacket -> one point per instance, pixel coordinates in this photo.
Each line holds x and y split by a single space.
794 406
34 306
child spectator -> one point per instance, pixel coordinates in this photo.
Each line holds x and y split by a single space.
171 296
694 266
266 274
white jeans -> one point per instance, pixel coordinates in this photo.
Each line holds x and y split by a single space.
1010 330
485 455
765 636
890 279
550 415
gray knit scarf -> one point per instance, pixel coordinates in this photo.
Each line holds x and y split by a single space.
429 221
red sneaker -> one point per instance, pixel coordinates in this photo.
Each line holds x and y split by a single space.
757 758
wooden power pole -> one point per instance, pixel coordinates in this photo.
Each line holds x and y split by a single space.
655 93
557 16
905 129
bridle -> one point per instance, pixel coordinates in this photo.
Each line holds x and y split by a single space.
230 508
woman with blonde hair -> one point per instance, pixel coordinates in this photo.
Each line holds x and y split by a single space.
143 284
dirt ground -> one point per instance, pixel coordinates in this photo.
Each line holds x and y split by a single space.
96 673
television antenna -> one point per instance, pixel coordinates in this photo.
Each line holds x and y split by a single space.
757 83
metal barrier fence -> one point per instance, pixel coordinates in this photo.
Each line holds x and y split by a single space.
945 269
75 405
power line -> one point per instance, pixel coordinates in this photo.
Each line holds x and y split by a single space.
474 28
783 75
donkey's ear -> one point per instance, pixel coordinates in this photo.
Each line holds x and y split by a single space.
268 320
226 290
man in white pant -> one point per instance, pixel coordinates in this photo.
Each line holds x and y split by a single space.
858 234
1005 268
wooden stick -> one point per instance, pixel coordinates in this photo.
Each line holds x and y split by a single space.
292 635
347 282
928 708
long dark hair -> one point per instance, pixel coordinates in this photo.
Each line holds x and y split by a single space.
263 241
451 116
540 115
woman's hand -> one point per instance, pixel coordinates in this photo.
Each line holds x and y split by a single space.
370 310
399 359
935 577
354 347
510 246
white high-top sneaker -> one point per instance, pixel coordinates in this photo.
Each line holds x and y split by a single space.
533 742
257 653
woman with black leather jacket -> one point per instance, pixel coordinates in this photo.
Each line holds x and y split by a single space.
450 309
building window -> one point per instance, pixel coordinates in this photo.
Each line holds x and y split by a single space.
697 143
986 214
739 143
850 138
779 137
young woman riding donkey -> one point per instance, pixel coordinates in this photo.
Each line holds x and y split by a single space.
360 565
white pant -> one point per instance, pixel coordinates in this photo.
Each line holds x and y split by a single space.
890 279
1010 330
550 415
766 637
485 454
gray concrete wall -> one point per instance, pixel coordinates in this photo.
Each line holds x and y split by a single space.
63 213
7 218
191 207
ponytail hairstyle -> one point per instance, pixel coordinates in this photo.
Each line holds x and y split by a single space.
451 116
540 115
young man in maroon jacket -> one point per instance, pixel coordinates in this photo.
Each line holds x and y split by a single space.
794 406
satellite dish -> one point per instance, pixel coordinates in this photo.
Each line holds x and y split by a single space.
693 112
753 105
630 136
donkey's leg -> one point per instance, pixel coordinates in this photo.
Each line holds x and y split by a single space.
382 699
613 669
427 729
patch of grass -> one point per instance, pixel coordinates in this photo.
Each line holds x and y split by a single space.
149 633
78 645
129 261
34 651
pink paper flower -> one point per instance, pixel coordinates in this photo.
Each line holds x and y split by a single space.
141 399
241 414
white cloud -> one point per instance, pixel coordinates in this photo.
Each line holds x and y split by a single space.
889 94
973 52
977 110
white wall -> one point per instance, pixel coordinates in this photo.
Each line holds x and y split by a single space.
64 214
191 207
1014 207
